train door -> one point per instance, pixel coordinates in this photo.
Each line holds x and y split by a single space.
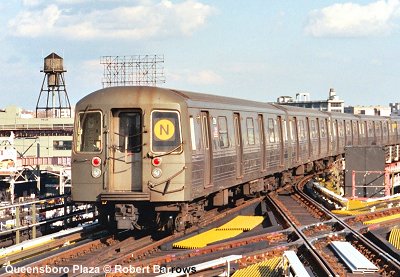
262 141
207 148
295 136
126 150
308 137
362 132
335 137
238 145
327 134
281 140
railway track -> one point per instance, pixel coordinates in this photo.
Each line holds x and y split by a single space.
304 226
112 251
343 231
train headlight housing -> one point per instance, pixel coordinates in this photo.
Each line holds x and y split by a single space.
96 172
156 172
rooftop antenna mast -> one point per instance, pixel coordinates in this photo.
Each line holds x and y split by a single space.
140 70
53 97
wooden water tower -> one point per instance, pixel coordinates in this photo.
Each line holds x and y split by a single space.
53 97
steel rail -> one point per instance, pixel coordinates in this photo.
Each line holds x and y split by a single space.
325 266
357 234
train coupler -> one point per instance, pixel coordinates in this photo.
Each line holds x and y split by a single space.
126 216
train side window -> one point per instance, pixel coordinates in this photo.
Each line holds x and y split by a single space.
361 128
322 128
277 131
302 133
192 133
250 130
285 131
271 131
385 129
355 131
166 132
370 129
223 132
398 128
291 131
334 127
88 137
340 127
313 129
348 129
378 128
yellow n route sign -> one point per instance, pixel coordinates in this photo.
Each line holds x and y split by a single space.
164 129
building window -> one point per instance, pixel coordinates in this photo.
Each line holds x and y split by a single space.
223 132
62 145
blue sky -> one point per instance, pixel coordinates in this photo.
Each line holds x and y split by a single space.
258 50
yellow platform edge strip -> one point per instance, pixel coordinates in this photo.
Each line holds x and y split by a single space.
382 219
242 222
203 239
394 238
230 229
265 268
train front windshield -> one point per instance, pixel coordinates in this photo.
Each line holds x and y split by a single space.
166 132
88 137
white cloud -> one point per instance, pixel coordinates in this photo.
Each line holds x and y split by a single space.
205 77
202 77
354 20
146 20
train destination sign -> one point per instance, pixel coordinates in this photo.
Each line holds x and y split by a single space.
164 129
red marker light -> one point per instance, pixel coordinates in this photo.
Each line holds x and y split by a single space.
96 161
156 161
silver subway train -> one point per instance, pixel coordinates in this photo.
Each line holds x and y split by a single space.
152 157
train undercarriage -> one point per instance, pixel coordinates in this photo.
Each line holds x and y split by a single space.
178 216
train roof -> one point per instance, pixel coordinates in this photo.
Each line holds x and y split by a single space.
121 95
195 99
292 110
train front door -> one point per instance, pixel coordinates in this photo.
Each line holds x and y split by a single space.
126 150
207 148
238 146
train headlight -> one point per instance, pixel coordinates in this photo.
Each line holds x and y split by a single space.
156 172
96 172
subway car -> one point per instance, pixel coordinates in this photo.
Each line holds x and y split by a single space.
152 157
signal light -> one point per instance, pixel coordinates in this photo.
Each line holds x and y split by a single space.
96 161
156 161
